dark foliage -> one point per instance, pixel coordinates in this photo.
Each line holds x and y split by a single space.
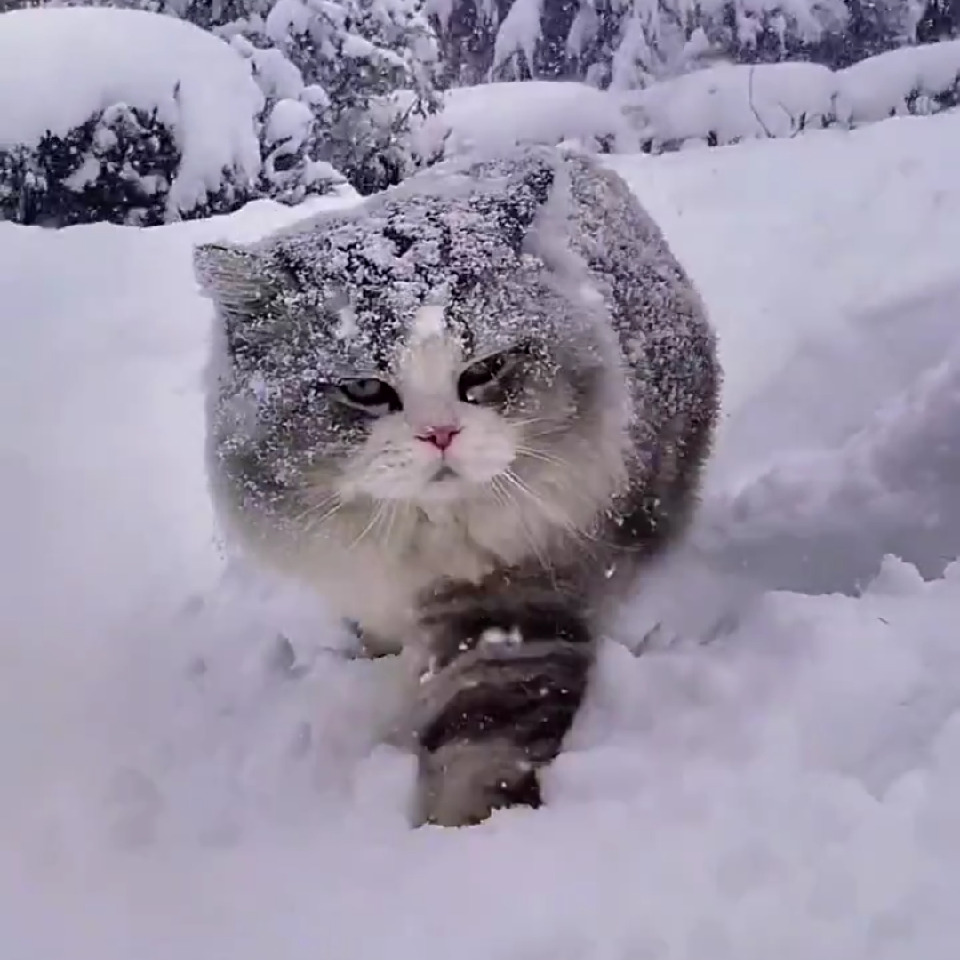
117 167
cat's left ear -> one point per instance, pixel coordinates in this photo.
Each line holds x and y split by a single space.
515 206
527 192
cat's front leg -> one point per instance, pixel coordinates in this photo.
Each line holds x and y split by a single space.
507 671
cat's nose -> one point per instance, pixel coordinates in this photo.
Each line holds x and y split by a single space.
440 437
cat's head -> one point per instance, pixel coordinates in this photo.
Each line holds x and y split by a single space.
418 350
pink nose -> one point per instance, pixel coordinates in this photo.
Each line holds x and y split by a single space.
440 437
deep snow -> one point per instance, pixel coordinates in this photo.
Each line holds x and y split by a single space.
788 789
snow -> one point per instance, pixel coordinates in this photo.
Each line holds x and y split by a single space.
717 105
495 116
61 66
831 247
517 36
289 17
732 102
879 86
178 783
274 73
630 43
289 120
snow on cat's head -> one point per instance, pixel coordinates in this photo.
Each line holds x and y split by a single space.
414 353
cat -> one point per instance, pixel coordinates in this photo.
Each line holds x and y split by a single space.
467 411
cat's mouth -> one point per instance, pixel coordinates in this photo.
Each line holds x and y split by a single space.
443 473
443 486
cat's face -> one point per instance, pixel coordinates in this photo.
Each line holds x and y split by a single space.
441 424
416 355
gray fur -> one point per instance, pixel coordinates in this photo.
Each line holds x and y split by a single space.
569 473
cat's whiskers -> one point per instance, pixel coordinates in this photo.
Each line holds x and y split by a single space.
528 422
564 478
555 514
311 508
380 511
507 482
315 515
394 509
546 432
535 454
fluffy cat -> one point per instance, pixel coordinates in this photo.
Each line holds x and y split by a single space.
467 412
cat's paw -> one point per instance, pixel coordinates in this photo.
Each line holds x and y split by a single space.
462 784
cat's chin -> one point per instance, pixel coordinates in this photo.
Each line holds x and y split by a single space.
447 487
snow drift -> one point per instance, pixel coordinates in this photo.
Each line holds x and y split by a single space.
729 103
714 106
497 116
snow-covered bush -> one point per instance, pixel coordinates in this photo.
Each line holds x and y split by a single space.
342 60
496 116
148 119
277 98
289 127
356 53
118 167
923 79
733 102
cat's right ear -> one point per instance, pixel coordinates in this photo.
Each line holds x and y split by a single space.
234 278
245 288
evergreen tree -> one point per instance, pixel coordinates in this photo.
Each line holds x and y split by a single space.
353 57
629 43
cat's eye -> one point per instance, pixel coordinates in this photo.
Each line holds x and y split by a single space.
483 373
372 395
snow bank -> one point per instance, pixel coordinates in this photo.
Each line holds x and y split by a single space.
61 66
729 103
732 102
496 116
172 787
719 105
885 85
822 520
830 234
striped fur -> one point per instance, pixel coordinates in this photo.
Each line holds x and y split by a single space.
509 667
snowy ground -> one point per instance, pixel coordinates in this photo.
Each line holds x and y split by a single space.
789 789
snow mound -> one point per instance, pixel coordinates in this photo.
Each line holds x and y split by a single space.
732 102
881 86
728 103
821 521
496 116
801 209
61 66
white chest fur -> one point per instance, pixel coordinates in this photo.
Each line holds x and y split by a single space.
377 583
